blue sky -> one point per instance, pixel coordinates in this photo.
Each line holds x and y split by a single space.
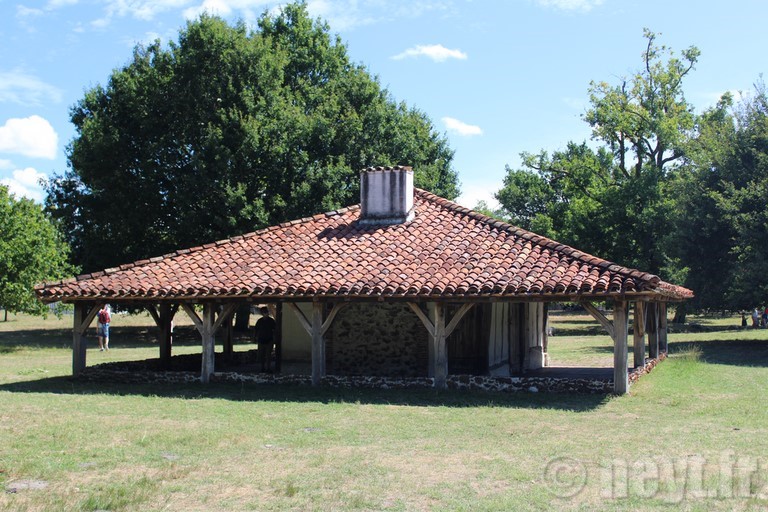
498 77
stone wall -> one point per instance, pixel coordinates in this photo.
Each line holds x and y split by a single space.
108 373
377 339
455 382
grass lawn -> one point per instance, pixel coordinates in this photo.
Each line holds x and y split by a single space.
691 435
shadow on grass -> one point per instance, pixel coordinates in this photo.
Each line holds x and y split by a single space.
284 393
729 352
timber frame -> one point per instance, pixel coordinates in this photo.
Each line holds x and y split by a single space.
649 319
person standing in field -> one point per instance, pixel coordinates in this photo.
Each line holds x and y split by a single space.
264 336
102 327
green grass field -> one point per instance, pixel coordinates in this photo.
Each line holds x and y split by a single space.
692 435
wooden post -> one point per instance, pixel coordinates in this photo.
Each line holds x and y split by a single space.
653 330
663 345
316 328
207 327
209 342
439 332
166 334
620 325
278 337
516 338
82 319
228 348
318 344
439 360
545 333
163 317
638 327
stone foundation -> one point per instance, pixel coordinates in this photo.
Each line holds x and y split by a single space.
102 373
650 364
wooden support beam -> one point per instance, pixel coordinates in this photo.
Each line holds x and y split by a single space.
227 311
228 346
163 317
652 326
83 317
316 328
209 342
192 314
318 344
328 321
463 310
439 350
300 317
597 315
638 339
424 319
207 327
439 332
620 326
153 313
278 337
663 328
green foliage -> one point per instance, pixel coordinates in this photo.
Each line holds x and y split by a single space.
31 250
229 130
721 218
614 201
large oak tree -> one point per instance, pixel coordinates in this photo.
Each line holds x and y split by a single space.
228 130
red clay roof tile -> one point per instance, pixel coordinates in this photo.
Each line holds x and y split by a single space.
446 250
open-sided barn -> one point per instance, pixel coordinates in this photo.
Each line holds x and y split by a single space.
406 284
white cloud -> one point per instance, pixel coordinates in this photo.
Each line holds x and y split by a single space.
140 9
216 7
461 128
5 165
472 194
55 4
571 5
436 52
22 11
16 86
344 15
31 136
26 183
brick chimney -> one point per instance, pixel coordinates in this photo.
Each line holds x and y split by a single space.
386 195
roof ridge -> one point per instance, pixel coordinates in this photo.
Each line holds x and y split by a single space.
537 239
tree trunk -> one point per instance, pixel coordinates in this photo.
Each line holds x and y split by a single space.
242 317
681 311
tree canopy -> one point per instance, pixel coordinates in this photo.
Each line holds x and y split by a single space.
32 250
721 220
662 188
228 130
613 201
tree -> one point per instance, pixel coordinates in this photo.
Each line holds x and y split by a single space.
614 201
229 130
721 232
31 251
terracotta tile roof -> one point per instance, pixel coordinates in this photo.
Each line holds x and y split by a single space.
446 251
